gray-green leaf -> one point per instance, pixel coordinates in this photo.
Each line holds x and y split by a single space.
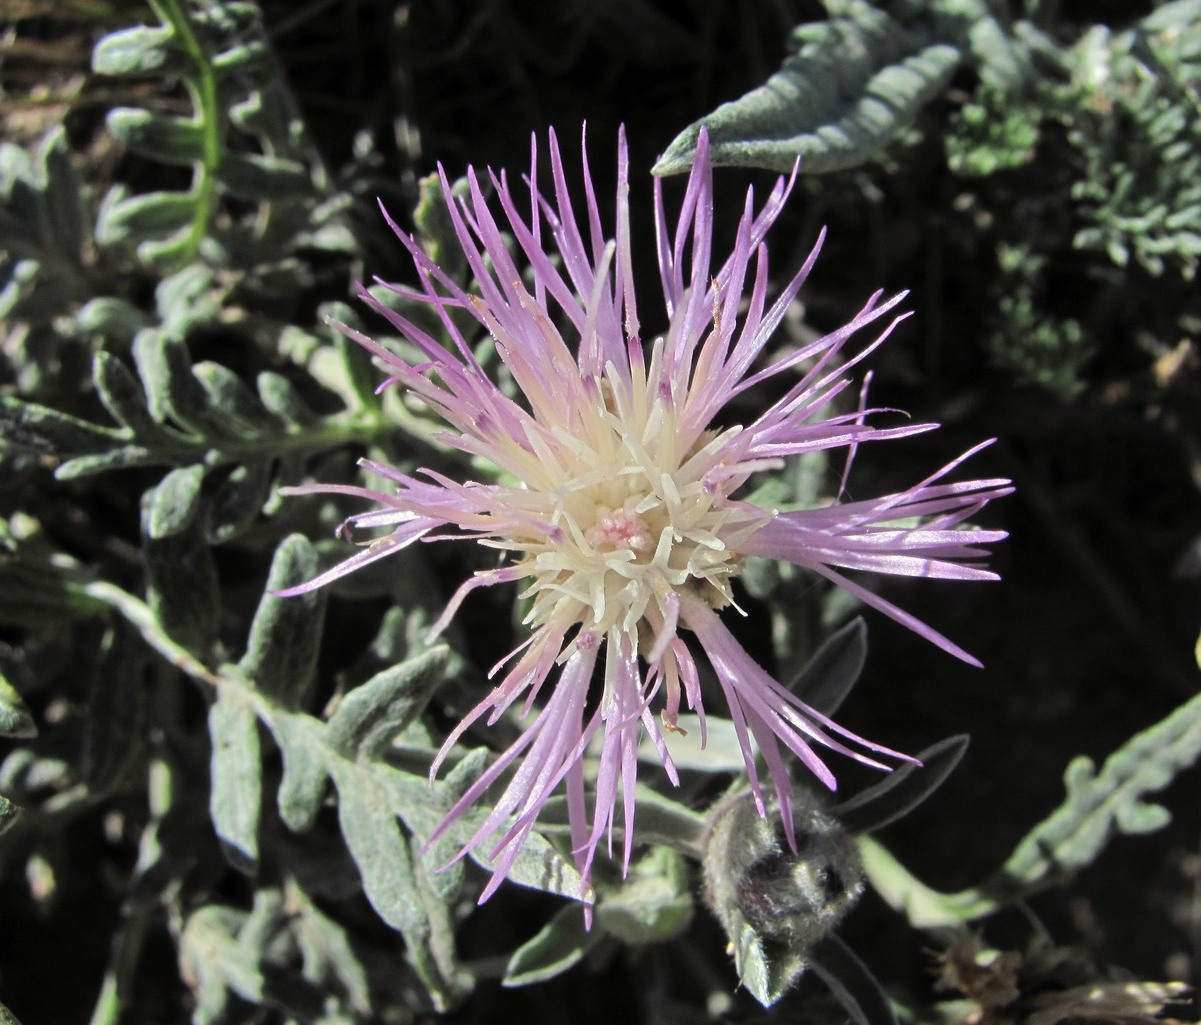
1100 804
237 778
285 637
172 140
254 177
26 425
827 678
372 714
903 789
561 943
172 505
143 50
853 84
152 214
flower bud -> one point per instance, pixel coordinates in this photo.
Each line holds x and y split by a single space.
776 903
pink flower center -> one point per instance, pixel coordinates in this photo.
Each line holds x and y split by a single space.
620 528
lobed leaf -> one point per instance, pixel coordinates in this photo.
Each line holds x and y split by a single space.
230 400
721 752
123 397
222 55
653 903
1101 804
162 255
45 224
281 398
115 459
172 391
219 960
114 728
367 813
358 373
853 84
65 197
246 58
923 906
112 318
239 499
1098 806
538 865
263 178
375 841
181 578
449 870
303 785
374 800
663 820
329 954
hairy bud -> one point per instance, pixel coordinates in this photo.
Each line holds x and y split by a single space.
776 904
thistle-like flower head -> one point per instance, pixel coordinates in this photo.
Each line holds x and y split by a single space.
615 500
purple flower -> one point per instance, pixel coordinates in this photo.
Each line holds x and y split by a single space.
613 499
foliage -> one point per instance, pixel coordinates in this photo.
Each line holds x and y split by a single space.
1118 109
235 784
238 95
1135 98
1098 806
854 81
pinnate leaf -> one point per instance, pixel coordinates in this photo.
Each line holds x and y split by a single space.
1101 804
1098 806
45 431
852 84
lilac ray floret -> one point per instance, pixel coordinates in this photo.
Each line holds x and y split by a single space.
614 504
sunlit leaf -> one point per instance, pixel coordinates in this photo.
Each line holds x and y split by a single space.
852 84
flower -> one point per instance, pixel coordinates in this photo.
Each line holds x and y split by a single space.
614 499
